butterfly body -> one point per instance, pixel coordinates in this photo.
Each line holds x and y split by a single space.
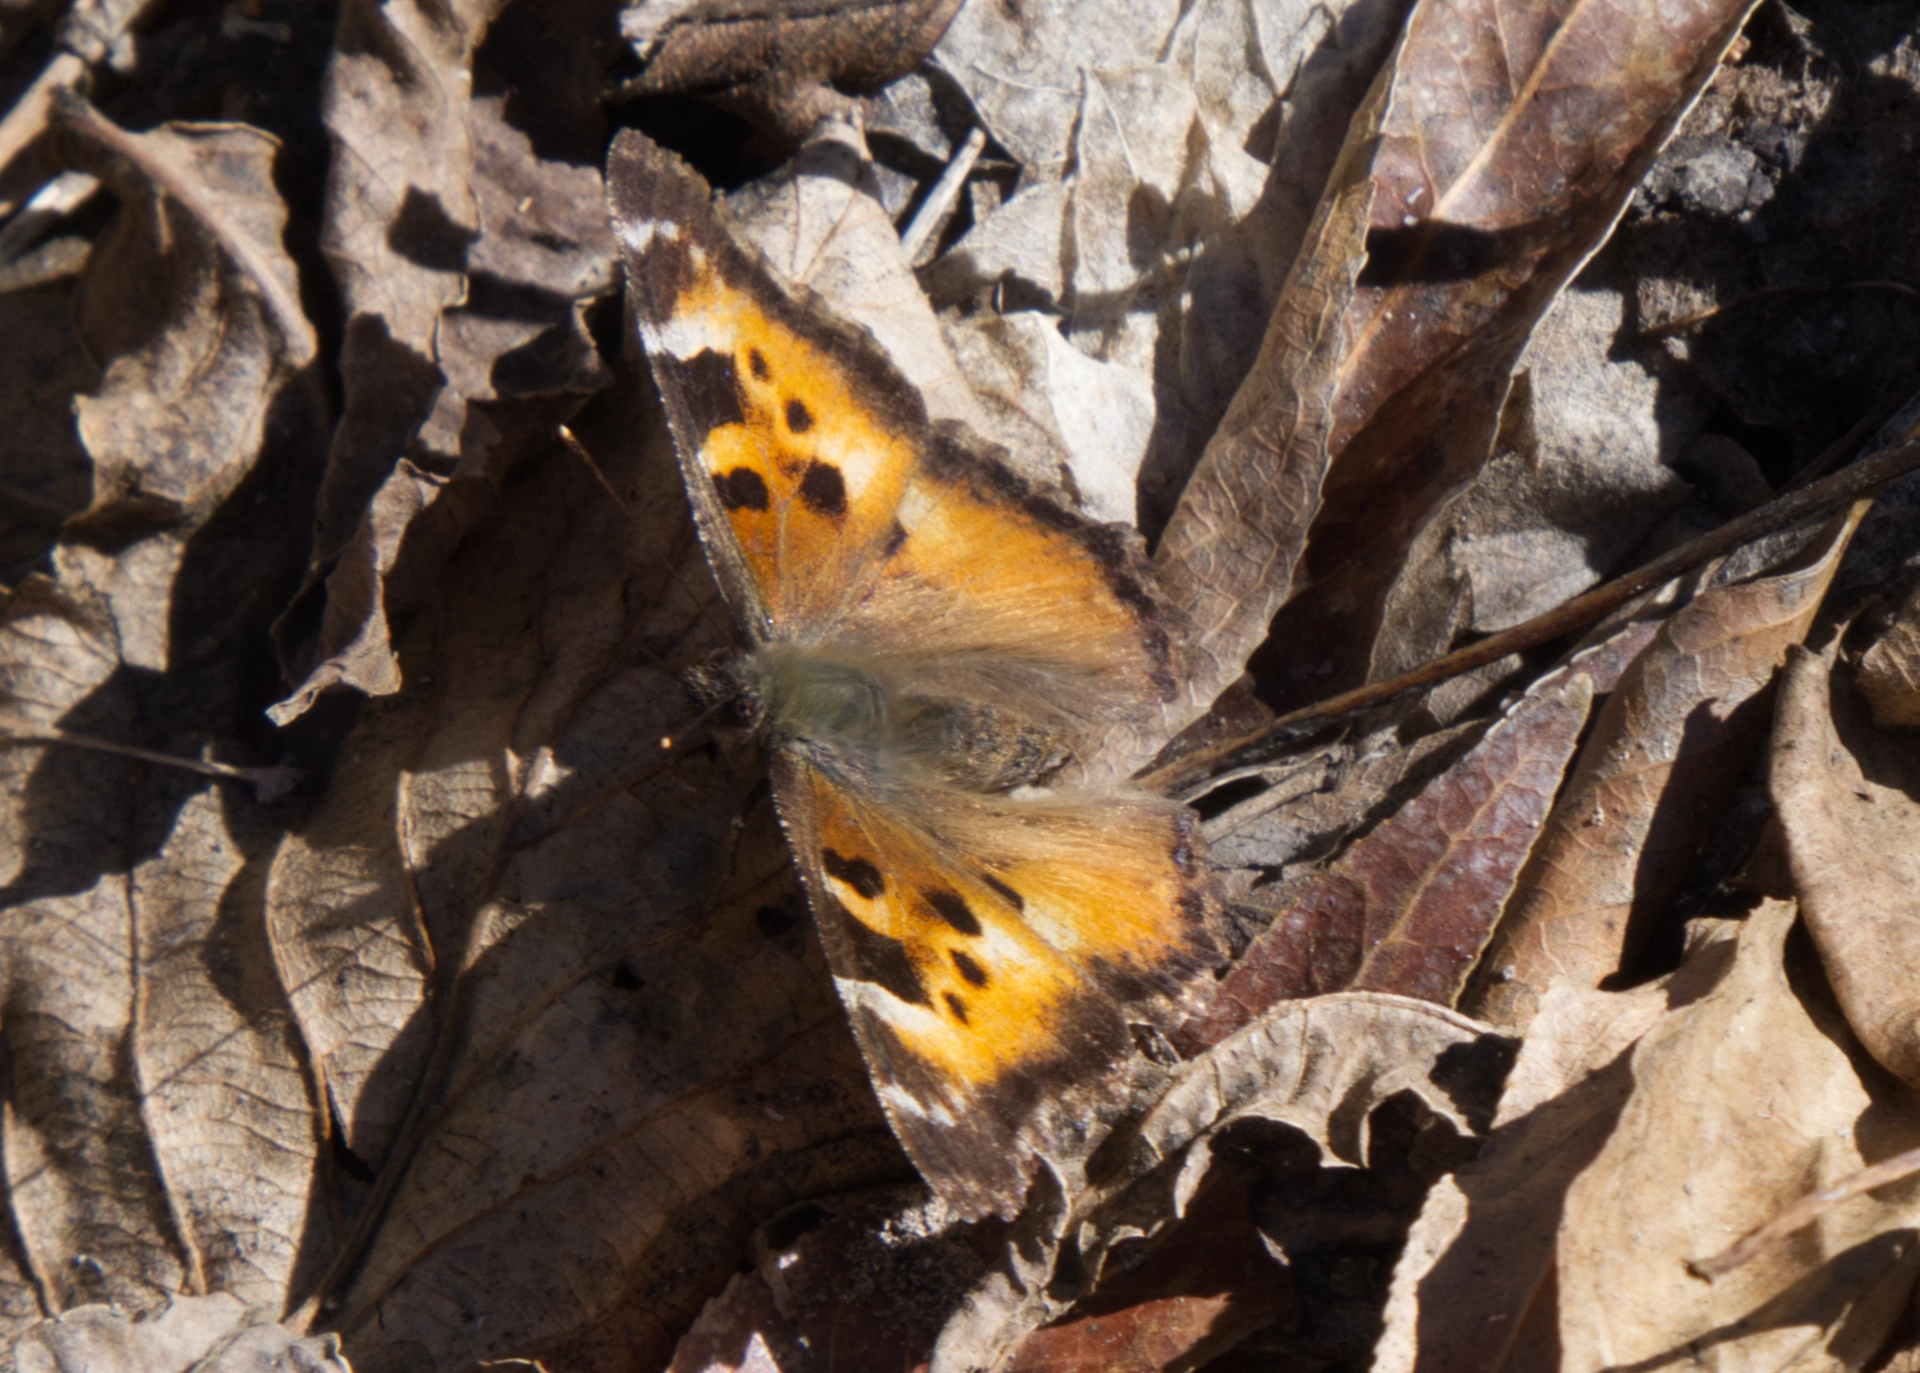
868 722
948 666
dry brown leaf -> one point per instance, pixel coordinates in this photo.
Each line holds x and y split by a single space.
499 351
1486 167
1320 1065
160 1137
561 1003
1409 906
214 1334
1744 1100
402 214
193 305
776 63
1475 1288
1228 555
1667 751
1844 793
1889 671
543 253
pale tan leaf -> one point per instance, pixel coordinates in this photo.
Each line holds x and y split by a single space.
1844 793
1473 1289
1744 1100
216 1334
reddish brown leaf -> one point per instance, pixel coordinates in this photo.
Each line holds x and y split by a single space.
1203 1286
1508 143
1666 753
1408 907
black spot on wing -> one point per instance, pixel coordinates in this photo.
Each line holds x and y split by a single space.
709 384
882 960
824 491
741 489
952 908
958 1007
799 418
757 360
896 537
969 969
1012 897
857 873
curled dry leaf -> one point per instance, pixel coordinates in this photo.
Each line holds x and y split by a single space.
1408 907
1320 1065
194 307
512 357
777 64
1475 1287
402 214
1667 751
1890 670
1844 795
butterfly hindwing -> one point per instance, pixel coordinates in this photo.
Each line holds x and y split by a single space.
995 996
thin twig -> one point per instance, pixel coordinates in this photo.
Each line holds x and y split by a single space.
268 783
1848 484
571 442
940 199
1699 317
1805 1212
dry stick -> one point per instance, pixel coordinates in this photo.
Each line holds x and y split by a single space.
268 782
1845 485
945 191
1805 1212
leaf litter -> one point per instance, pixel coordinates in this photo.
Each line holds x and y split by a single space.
503 1039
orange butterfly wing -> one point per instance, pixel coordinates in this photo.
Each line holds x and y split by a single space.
995 953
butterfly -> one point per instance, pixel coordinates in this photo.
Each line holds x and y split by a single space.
939 654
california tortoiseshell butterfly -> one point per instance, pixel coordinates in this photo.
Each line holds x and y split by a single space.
936 652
